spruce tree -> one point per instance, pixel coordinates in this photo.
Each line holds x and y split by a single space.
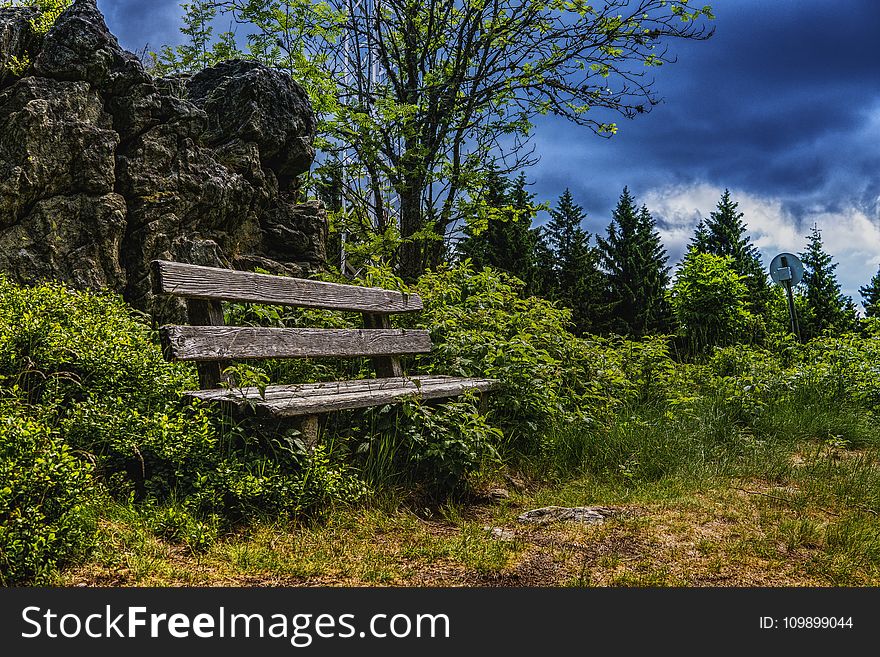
636 263
508 242
574 276
700 240
658 312
724 234
545 280
871 296
480 245
827 308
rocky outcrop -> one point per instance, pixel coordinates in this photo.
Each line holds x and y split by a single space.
104 168
249 104
18 40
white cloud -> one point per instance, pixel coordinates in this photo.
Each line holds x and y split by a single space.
851 236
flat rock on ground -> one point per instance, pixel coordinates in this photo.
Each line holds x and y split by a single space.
583 514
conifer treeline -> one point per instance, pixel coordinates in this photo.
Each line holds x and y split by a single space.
620 282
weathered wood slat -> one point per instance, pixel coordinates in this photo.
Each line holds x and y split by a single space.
275 392
311 399
210 343
194 281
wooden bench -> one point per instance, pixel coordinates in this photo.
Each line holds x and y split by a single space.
211 344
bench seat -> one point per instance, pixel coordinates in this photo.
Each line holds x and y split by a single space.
285 401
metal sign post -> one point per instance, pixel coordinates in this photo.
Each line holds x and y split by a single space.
787 270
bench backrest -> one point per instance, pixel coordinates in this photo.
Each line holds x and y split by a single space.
211 344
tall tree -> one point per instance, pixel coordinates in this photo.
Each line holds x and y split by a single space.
574 277
506 239
426 89
638 274
700 240
827 308
724 233
871 296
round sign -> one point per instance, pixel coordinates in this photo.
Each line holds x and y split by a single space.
786 268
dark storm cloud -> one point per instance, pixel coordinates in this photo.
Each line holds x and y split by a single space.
782 106
769 104
773 103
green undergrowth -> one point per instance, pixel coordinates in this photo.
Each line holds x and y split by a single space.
97 448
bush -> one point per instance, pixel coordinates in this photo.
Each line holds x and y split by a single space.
288 484
93 366
440 446
45 492
710 301
88 394
482 326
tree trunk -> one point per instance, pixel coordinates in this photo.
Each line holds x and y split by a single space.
436 249
411 262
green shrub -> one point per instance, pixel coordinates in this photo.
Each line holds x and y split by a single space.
441 445
89 391
175 522
482 326
45 492
60 347
710 301
290 485
94 367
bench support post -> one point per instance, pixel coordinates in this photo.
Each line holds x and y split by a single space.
308 430
385 366
207 313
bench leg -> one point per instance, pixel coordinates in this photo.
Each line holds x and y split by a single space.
308 429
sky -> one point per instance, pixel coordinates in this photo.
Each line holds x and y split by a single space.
781 106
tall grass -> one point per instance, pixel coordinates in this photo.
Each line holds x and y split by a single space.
705 442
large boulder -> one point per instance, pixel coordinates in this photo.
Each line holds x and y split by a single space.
295 232
247 102
55 139
104 168
75 238
80 47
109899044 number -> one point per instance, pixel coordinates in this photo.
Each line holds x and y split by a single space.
816 622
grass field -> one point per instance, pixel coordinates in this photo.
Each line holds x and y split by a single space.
796 507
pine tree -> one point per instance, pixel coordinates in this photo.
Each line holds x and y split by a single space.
871 296
636 263
659 316
700 240
546 282
574 275
477 243
508 242
827 308
724 234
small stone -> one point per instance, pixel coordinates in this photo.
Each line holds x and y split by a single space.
591 515
492 495
500 533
